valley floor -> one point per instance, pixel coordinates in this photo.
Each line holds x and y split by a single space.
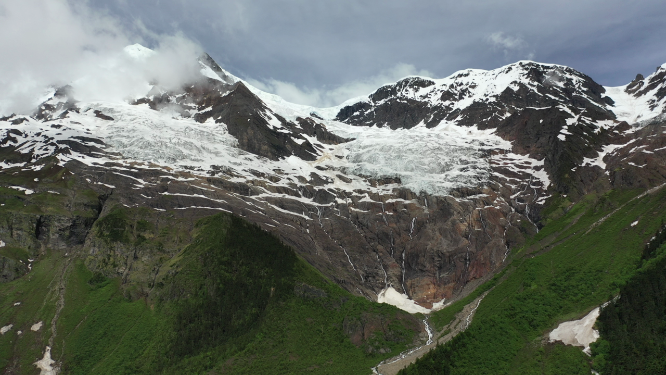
462 320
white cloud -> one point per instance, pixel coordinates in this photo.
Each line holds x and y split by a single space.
499 39
511 46
50 43
331 97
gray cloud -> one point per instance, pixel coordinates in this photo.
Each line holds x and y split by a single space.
327 43
511 46
329 97
317 47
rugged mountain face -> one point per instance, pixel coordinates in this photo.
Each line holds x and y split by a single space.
478 97
424 187
552 113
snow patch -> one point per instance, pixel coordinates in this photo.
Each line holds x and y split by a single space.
439 305
37 326
6 329
578 332
393 297
25 190
523 164
291 111
634 223
46 364
6 165
599 160
206 71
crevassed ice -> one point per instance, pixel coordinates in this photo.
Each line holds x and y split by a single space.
430 160
140 133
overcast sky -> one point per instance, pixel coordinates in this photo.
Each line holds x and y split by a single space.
323 52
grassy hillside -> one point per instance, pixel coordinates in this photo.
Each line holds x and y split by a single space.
235 300
577 262
24 302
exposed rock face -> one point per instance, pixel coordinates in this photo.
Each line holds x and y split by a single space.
62 103
247 119
216 145
639 158
653 88
256 128
562 140
11 269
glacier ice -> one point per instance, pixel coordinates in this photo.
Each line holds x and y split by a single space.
429 160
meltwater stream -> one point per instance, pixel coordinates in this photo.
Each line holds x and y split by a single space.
406 353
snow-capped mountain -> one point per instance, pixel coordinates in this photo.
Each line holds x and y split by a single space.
423 187
551 113
487 98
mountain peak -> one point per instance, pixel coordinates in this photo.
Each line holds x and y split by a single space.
138 52
211 69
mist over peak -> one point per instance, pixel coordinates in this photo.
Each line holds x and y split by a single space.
62 45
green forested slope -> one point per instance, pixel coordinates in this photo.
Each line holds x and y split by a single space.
633 327
574 264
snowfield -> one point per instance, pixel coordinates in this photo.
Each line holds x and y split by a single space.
430 160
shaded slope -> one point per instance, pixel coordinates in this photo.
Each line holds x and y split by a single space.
235 299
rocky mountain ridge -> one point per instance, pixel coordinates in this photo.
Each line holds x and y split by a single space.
424 187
